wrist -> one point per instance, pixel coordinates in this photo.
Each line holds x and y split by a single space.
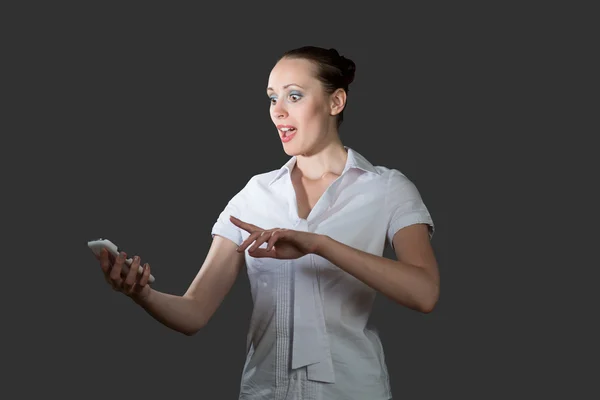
320 244
144 300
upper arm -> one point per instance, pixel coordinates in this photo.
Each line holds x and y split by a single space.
222 263
410 226
412 245
216 276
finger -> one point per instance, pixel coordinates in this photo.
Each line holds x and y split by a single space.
248 241
275 236
261 253
263 237
104 261
115 273
244 225
131 275
143 279
111 264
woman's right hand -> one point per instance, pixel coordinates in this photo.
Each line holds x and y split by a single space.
131 284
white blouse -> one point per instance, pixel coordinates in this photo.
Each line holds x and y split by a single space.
308 335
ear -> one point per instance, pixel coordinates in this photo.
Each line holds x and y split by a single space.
337 101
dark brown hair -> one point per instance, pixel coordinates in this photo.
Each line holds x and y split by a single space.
333 70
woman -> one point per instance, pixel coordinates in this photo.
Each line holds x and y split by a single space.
312 235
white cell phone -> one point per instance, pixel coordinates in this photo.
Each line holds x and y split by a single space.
98 244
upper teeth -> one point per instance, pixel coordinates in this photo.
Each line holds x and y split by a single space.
286 129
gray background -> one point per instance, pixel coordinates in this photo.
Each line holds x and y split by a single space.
138 123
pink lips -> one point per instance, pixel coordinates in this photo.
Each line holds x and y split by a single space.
286 137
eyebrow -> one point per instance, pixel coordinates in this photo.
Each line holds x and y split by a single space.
286 86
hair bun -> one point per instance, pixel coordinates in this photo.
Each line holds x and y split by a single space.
349 68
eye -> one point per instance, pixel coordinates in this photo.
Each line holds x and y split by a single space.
295 96
272 100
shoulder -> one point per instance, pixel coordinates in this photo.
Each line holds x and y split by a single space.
263 179
396 187
381 176
403 202
393 179
259 182
256 188
389 174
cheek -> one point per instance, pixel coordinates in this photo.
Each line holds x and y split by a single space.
314 114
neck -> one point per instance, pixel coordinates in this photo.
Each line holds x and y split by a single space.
328 159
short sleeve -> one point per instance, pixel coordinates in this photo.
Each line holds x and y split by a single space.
223 226
405 206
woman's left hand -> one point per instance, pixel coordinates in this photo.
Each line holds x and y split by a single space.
281 243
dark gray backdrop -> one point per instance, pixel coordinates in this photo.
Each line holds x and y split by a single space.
139 123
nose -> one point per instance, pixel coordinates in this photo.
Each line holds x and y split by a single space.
278 111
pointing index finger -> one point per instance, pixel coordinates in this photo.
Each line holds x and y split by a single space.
244 225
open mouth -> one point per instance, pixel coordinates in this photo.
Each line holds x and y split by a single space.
285 132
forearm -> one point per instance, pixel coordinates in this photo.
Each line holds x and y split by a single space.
179 313
406 284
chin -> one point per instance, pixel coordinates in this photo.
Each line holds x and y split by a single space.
295 149
290 152
300 149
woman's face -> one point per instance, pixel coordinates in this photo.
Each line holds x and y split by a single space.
300 108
